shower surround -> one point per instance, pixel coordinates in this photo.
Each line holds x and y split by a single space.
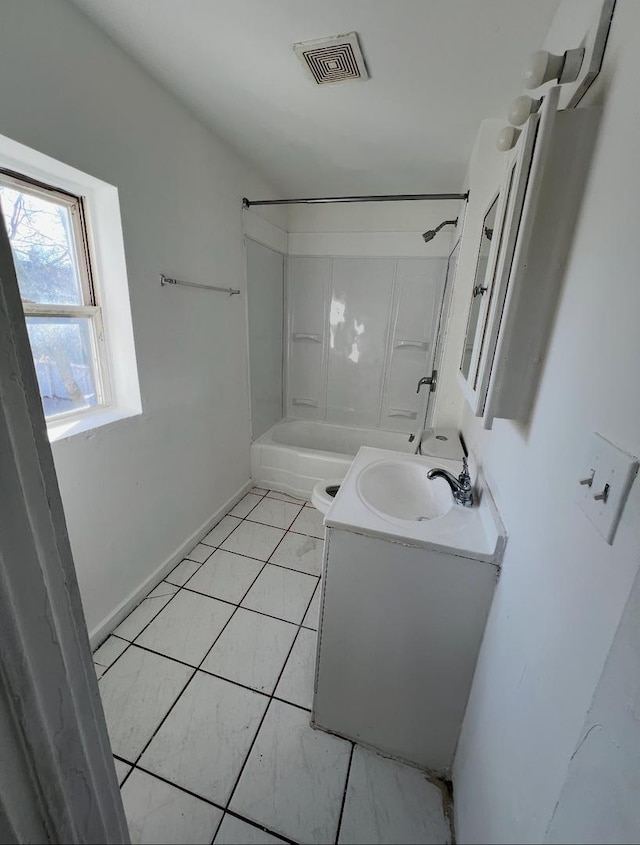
361 332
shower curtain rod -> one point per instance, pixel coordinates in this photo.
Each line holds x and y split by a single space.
382 198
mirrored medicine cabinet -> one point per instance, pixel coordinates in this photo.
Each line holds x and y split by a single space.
525 236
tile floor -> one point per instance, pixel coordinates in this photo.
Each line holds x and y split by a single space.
207 687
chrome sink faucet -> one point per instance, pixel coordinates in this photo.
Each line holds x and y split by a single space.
460 486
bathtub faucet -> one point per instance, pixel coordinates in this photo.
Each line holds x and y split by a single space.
460 486
430 380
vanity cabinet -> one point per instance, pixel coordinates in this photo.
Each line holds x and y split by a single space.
400 629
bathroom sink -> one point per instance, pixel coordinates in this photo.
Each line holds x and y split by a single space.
400 490
387 494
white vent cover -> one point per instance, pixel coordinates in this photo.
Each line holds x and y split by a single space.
330 60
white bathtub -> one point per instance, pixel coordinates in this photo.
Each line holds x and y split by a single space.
295 454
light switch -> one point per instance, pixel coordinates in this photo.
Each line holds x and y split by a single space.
603 487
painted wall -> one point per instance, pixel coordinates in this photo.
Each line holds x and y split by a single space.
599 799
563 589
484 176
135 491
372 229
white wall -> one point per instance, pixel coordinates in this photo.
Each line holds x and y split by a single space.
563 589
136 490
599 799
372 229
484 176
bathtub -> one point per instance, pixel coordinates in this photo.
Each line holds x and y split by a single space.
295 454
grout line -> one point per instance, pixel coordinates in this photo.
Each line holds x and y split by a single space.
306 535
344 794
275 686
262 498
198 668
259 826
222 677
163 720
272 698
224 601
199 798
291 703
193 675
120 637
177 786
239 554
250 609
291 569
267 524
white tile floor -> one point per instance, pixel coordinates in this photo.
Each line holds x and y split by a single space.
207 687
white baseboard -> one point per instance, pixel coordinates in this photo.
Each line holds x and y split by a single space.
104 628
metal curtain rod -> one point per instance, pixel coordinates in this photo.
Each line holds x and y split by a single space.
165 280
382 198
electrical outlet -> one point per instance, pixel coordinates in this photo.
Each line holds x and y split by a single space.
605 483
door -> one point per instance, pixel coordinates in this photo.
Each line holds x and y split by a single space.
57 779
265 309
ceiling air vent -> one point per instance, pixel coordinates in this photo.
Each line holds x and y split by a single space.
330 60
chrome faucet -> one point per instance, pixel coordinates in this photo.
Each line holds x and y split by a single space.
460 486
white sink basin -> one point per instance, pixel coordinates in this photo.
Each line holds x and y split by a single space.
388 495
400 490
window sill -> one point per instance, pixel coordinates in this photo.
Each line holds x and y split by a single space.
63 429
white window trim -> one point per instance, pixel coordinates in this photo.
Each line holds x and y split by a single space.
84 265
104 225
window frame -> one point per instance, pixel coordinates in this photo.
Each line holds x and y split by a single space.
90 308
102 209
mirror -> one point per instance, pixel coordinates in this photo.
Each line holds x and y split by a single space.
480 287
518 269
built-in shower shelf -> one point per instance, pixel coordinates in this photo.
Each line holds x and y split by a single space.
402 412
314 338
418 344
311 403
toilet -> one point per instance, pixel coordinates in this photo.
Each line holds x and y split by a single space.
441 443
324 493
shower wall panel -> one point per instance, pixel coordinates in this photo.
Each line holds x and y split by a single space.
361 332
265 307
361 297
412 341
309 285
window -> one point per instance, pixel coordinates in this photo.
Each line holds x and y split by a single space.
65 230
51 248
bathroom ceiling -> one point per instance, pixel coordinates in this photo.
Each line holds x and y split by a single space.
438 67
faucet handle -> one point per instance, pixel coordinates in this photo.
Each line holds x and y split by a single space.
464 477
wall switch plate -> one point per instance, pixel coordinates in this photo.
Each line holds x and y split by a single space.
607 475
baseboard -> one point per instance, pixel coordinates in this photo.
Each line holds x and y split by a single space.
104 628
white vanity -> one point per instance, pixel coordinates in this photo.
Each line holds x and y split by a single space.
408 579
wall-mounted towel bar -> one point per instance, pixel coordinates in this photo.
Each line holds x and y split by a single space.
165 280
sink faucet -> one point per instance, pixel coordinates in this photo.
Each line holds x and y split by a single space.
460 486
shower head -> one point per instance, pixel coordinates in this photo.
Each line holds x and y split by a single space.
430 235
